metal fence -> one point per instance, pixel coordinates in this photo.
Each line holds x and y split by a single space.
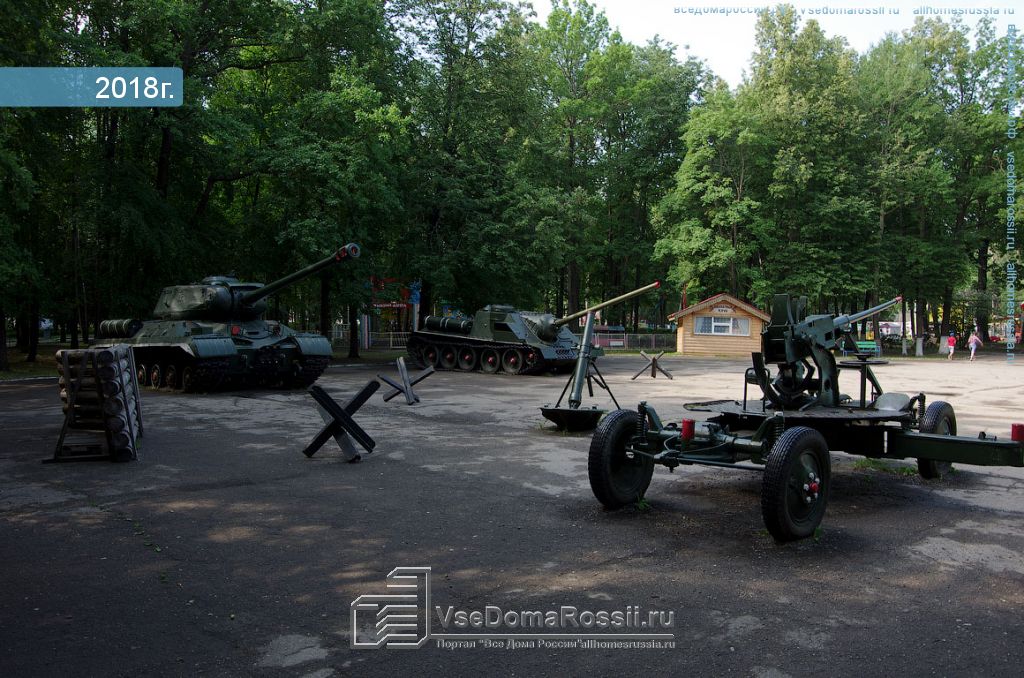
610 341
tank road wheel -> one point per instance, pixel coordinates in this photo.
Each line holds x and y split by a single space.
449 358
171 375
156 376
938 418
467 359
142 374
512 361
617 477
796 481
489 361
189 379
431 356
531 359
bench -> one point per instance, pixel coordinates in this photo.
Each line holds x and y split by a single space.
864 347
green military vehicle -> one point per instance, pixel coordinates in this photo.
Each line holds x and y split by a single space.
213 333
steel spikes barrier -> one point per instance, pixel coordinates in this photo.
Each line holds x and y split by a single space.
405 388
652 363
339 424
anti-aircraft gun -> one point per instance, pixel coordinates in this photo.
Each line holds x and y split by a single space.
790 431
791 340
213 331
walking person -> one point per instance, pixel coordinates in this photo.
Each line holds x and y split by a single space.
973 343
951 342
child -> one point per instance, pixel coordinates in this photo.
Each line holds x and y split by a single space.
973 343
951 342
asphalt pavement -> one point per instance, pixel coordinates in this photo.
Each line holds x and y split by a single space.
224 551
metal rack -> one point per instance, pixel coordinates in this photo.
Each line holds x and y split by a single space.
102 410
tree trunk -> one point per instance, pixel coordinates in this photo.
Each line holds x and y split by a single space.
574 287
21 332
636 301
947 310
560 297
74 332
353 330
981 314
326 323
426 301
5 361
33 333
163 162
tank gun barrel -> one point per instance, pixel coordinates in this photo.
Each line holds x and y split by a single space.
349 251
604 304
847 319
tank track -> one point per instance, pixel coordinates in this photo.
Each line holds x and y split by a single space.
417 346
311 369
211 374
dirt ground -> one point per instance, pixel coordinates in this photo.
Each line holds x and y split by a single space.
224 551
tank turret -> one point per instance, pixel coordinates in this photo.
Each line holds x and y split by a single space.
225 298
213 332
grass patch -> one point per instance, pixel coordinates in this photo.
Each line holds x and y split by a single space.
895 468
44 366
370 357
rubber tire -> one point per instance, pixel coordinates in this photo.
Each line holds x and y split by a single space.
467 364
431 356
489 368
512 361
775 489
938 413
607 449
156 376
142 374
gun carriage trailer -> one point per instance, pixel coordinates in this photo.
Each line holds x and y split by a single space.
789 431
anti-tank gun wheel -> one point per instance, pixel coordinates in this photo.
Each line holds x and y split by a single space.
156 376
490 361
467 359
512 361
940 419
617 477
794 491
449 358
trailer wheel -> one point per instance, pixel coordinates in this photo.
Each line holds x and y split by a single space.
796 482
616 477
938 418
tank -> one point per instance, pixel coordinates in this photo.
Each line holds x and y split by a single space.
213 332
503 339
